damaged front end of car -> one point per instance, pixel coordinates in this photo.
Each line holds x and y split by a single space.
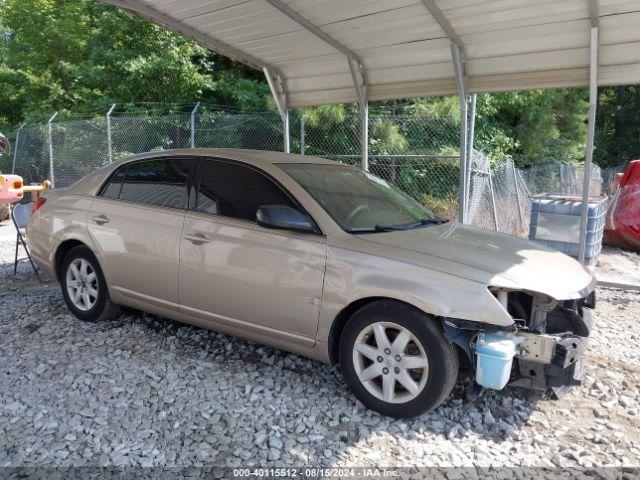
541 350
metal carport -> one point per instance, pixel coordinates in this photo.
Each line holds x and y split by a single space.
334 51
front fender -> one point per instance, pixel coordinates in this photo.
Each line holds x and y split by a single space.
352 276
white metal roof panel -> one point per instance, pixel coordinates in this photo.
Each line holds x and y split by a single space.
508 44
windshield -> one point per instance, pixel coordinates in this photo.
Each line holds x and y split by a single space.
358 201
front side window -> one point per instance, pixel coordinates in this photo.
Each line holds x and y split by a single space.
162 182
358 201
236 191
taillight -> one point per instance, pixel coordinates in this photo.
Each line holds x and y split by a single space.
39 203
17 185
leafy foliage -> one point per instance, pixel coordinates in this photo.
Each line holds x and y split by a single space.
618 126
81 55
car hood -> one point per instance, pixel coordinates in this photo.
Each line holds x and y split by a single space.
496 259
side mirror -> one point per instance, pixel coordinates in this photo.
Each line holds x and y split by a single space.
283 217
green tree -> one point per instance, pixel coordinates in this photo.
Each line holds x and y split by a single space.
618 126
81 55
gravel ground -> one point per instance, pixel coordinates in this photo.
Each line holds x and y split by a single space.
618 265
141 390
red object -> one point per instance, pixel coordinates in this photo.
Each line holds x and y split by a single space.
40 202
622 228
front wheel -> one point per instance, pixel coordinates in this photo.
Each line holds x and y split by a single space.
396 360
83 286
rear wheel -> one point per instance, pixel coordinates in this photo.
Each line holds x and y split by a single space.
83 286
396 360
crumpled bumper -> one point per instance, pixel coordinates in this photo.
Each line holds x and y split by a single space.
554 360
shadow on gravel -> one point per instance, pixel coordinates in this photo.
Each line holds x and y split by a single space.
496 416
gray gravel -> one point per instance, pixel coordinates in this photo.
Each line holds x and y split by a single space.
141 390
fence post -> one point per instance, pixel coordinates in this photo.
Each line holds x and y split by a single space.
493 200
285 128
472 125
364 140
302 136
50 142
515 180
109 149
193 125
15 149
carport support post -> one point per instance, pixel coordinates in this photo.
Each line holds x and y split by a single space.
458 68
278 89
15 149
193 125
593 101
109 149
360 83
50 145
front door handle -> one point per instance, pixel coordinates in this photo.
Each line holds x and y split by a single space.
101 219
197 238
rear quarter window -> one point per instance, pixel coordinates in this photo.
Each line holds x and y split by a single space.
162 182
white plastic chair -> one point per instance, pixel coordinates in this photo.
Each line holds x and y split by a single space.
20 216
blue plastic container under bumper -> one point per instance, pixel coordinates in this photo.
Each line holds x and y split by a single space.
494 358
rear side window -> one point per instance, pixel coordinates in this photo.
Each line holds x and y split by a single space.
236 191
112 189
162 182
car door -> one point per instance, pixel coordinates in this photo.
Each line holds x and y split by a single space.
136 224
238 273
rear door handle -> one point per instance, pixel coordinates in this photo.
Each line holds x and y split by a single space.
101 219
197 238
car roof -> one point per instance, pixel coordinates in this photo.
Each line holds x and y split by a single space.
259 156
90 184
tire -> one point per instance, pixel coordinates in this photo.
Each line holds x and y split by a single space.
432 381
92 283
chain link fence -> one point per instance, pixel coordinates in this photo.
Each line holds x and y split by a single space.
420 155
563 178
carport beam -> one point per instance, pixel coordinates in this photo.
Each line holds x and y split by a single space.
311 28
439 17
352 59
593 103
159 18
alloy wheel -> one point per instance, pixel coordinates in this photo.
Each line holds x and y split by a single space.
82 284
390 362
